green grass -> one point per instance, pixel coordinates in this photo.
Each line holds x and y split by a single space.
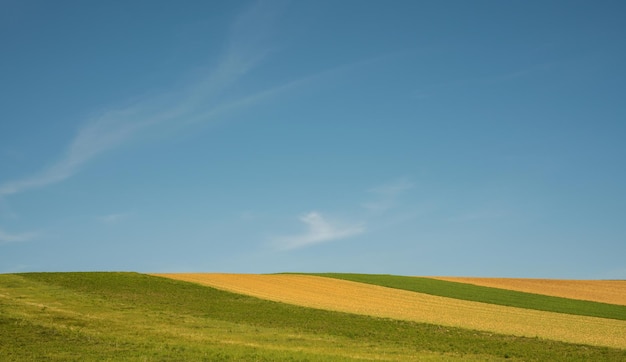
487 295
136 317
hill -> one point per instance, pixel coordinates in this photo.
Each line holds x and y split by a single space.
456 309
130 316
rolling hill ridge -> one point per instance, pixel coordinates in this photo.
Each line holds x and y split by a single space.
131 316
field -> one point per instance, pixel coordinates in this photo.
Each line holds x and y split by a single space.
137 317
497 296
374 300
603 291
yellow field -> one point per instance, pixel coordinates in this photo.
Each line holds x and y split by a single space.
352 297
605 291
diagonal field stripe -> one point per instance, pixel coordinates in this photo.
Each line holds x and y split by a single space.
359 298
603 291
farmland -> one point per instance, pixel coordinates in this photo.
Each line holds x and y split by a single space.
130 316
497 296
374 300
603 291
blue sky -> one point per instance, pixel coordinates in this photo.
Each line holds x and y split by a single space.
475 138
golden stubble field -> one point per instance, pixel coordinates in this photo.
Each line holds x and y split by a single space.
604 291
359 298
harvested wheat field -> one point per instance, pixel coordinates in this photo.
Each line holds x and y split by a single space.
353 297
604 291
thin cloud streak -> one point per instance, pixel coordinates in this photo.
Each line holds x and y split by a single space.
196 103
113 218
245 51
5 210
15 238
93 139
386 195
320 230
243 102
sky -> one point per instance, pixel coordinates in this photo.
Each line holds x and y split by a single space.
464 138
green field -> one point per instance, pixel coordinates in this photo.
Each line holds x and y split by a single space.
130 316
487 295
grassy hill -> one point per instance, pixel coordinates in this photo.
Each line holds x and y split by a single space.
130 316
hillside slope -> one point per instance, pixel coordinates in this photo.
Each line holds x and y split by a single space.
135 317
368 299
476 293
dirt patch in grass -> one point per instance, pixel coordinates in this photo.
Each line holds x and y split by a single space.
360 298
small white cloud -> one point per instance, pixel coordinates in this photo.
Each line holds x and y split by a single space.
320 230
15 238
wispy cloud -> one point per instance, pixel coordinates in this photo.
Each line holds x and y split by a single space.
481 81
386 195
478 215
394 187
520 73
96 137
319 230
205 100
199 101
15 238
5 210
113 218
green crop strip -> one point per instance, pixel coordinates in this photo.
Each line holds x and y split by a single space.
487 295
129 316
